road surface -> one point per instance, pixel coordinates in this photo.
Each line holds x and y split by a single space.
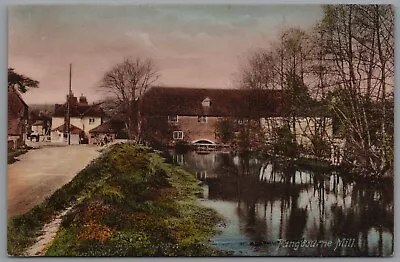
40 172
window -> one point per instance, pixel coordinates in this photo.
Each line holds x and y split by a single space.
206 102
202 119
173 119
91 121
177 135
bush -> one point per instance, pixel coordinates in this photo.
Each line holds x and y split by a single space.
284 142
225 130
320 146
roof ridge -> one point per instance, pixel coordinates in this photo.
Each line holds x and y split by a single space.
198 88
15 91
212 88
71 126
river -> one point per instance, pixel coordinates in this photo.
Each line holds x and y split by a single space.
277 209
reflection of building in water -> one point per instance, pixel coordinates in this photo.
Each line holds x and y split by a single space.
202 175
205 164
179 159
205 192
236 160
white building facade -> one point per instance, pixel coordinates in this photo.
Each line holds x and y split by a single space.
83 118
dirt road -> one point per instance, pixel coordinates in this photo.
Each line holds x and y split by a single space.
40 172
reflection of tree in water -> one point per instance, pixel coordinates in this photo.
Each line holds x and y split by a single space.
274 201
297 219
372 208
225 165
296 223
253 225
292 218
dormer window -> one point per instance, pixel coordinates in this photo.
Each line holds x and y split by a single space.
173 119
206 102
202 119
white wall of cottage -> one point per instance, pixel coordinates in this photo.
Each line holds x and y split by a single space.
83 123
305 127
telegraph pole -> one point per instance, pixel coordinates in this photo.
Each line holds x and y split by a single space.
68 106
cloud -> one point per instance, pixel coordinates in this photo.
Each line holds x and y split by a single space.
193 44
143 38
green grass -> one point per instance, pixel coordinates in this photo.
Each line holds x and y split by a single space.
13 153
132 204
22 230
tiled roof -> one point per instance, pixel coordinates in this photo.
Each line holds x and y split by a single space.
79 110
73 129
164 101
111 126
38 123
35 115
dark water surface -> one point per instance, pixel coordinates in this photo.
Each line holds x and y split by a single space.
276 209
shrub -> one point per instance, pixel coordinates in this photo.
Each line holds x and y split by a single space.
284 142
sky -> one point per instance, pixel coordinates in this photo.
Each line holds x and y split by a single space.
192 45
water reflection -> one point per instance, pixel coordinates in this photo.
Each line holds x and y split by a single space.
265 201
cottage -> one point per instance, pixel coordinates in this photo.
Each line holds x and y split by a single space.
60 134
18 113
83 118
40 125
112 129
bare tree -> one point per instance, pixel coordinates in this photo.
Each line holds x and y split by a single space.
359 48
288 65
347 63
127 82
258 71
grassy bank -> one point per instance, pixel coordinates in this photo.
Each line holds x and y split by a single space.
22 230
13 153
132 203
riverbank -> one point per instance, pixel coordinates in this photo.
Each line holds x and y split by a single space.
264 199
12 154
322 166
128 202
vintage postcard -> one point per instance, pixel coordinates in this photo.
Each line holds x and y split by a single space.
153 130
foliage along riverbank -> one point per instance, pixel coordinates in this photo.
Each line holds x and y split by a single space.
131 203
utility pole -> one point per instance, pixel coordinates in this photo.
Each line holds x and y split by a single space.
68 106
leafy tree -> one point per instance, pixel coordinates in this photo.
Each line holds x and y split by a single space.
21 82
224 129
284 141
297 91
